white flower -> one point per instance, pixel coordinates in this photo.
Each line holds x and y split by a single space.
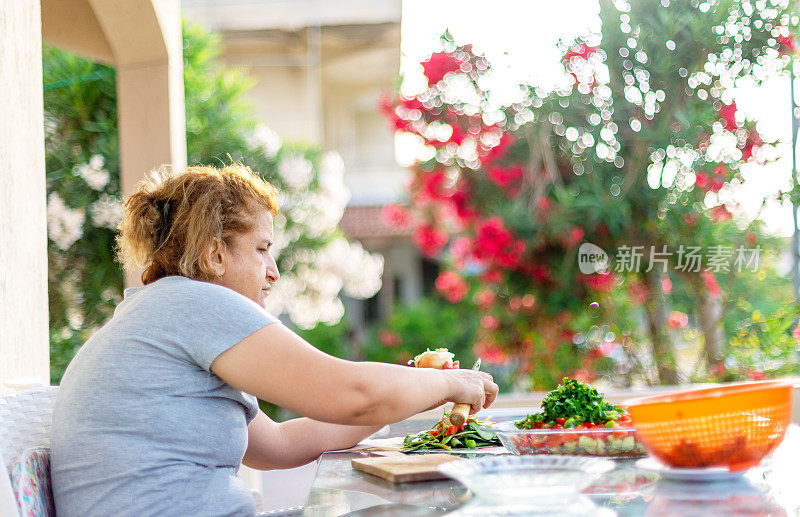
296 171
331 165
331 178
265 139
359 270
64 224
93 173
310 293
97 161
107 211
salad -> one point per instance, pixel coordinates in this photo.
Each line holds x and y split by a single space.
575 404
443 435
575 419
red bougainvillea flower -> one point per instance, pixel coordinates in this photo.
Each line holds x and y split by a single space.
399 114
389 338
541 273
786 44
462 202
494 244
701 180
690 219
433 185
728 114
606 348
584 375
396 216
461 251
715 185
510 257
720 170
410 104
718 369
484 298
492 276
490 353
543 204
600 282
753 141
751 238
583 52
638 292
796 333
439 65
492 237
573 237
720 214
677 320
452 286
666 284
488 156
430 240
458 135
386 104
489 322
756 375
711 283
505 177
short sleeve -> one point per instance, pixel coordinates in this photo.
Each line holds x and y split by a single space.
206 319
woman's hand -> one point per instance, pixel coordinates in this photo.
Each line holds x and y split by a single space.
471 387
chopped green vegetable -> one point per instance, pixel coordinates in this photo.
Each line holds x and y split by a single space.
445 436
571 404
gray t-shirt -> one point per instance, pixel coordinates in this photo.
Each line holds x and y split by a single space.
141 425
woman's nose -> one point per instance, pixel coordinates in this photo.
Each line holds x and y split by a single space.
272 271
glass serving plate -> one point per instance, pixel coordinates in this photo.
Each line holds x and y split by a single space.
526 478
614 443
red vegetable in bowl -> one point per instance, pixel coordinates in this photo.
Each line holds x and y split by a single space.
575 419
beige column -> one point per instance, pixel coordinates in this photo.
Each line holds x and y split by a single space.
145 37
24 349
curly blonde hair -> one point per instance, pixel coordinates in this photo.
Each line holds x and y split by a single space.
173 217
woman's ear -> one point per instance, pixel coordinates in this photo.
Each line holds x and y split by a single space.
215 257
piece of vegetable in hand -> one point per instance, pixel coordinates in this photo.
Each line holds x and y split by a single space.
441 359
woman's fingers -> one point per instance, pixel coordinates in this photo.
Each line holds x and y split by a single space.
490 391
476 389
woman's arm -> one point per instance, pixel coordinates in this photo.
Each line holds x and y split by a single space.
277 365
296 442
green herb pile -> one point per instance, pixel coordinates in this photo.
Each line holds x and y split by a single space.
445 436
571 404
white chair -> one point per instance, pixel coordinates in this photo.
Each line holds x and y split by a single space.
25 421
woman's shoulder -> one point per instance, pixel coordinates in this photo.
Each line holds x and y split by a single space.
181 285
187 296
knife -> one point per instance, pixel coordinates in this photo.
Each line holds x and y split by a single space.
460 411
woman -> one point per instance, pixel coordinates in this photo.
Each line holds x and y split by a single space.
158 409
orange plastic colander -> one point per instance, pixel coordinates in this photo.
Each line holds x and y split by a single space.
732 426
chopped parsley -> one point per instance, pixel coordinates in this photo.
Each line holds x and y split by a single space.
573 403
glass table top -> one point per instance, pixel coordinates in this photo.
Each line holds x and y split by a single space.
773 488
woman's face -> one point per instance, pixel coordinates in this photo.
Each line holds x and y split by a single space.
249 268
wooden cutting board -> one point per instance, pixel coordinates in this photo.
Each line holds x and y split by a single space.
403 469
